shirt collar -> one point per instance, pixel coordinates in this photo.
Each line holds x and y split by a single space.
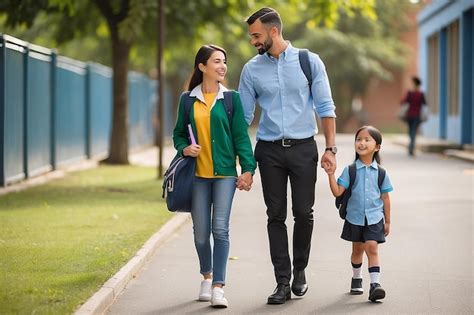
359 164
197 92
284 53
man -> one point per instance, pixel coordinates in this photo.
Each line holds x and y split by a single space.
286 147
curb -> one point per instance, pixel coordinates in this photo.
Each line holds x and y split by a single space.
102 299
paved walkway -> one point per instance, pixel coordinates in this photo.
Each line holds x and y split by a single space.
427 262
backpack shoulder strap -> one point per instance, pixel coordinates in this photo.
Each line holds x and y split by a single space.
381 176
352 175
228 106
303 55
188 104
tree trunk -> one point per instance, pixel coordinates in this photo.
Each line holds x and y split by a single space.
118 152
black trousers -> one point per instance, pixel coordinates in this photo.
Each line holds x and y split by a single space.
277 164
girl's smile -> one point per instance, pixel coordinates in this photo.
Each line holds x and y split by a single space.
365 145
216 67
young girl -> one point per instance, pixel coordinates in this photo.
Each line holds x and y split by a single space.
368 210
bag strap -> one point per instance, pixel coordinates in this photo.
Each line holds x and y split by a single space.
188 104
303 55
381 176
228 106
352 175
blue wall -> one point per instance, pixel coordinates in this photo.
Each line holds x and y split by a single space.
55 110
434 20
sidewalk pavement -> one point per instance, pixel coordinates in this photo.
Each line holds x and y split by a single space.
444 147
426 263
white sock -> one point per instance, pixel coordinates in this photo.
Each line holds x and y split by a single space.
356 271
374 273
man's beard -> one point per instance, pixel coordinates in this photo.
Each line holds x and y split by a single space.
265 46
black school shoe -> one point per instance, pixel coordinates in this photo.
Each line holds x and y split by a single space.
299 286
356 286
376 292
280 295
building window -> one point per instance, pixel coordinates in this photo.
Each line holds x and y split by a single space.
453 69
433 73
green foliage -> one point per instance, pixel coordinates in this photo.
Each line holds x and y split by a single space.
61 241
357 39
360 49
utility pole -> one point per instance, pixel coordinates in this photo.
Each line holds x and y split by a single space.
160 100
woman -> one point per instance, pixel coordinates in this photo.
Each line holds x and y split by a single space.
219 140
415 99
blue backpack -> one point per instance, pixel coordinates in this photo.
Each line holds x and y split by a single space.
343 200
178 179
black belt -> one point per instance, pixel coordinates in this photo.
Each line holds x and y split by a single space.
287 143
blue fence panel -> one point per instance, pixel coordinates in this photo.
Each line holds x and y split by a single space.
12 108
143 115
38 111
100 110
55 110
70 115
137 110
132 109
151 112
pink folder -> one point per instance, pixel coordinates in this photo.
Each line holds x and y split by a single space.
191 134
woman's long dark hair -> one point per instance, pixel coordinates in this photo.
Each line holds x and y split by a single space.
202 56
377 135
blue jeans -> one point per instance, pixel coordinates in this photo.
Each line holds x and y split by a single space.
212 202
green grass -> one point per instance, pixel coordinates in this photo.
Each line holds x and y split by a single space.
61 241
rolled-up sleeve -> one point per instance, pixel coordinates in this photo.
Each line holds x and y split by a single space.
344 180
247 94
321 90
386 185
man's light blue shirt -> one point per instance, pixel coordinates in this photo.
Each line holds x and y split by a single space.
282 91
365 201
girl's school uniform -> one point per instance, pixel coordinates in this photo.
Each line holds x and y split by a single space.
365 215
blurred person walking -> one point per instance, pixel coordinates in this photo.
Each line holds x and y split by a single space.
416 112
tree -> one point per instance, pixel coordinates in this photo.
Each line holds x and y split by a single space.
124 20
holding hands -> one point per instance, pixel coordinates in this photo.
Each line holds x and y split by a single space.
328 162
244 181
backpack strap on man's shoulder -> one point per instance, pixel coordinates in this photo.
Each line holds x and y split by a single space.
352 175
303 55
381 176
228 106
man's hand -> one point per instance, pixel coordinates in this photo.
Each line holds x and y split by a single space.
192 150
328 162
245 181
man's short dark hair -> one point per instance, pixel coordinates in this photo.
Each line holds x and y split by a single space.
267 16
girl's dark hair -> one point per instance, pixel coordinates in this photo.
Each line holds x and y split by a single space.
374 133
202 56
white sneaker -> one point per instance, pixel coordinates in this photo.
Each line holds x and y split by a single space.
205 292
218 300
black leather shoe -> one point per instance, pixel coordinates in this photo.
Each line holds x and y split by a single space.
299 286
280 295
